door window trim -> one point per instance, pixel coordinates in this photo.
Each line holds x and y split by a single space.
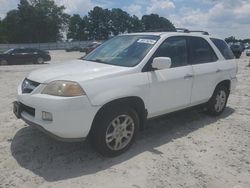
147 67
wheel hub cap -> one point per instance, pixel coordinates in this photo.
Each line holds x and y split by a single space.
220 101
120 132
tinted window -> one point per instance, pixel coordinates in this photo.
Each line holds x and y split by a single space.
30 50
18 51
201 51
176 49
223 48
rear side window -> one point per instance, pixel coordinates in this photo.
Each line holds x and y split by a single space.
201 51
223 48
18 51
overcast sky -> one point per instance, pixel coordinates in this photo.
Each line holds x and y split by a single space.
219 17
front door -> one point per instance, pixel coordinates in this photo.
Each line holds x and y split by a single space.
170 89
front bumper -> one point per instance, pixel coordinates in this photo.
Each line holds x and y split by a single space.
72 116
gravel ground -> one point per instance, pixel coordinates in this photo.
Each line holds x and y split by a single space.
185 149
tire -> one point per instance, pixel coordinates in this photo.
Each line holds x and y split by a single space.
3 62
217 104
39 60
108 134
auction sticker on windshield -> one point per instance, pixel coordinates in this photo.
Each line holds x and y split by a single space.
147 41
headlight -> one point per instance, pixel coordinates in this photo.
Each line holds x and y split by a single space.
64 89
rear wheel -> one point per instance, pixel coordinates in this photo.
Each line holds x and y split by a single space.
115 130
3 62
40 60
218 102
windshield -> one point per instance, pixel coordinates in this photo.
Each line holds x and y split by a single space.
8 51
125 50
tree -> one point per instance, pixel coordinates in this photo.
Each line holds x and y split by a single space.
135 24
11 25
77 28
50 20
3 38
231 39
35 21
154 22
120 21
44 21
99 23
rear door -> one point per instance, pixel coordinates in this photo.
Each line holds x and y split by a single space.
206 69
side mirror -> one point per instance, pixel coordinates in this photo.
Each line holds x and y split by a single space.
160 63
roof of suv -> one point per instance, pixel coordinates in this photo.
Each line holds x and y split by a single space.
164 34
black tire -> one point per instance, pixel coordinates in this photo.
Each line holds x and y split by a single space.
103 124
39 60
3 62
216 105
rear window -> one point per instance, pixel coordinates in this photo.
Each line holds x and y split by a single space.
223 48
201 51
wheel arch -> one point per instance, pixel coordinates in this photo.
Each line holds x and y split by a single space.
133 101
226 83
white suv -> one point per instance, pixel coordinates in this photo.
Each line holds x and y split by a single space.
109 94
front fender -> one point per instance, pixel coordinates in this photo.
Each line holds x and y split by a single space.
102 91
105 97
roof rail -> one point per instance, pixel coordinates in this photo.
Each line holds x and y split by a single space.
184 30
158 30
197 31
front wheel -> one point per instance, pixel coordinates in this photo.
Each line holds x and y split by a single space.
218 102
115 130
3 62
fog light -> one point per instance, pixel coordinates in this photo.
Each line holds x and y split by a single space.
46 116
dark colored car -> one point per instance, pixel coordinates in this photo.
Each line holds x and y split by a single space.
90 47
24 56
73 49
237 50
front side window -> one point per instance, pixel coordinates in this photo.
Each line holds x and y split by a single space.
125 50
223 48
174 48
201 51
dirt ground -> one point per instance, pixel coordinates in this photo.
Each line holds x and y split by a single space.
185 149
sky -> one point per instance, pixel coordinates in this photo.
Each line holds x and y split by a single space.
222 18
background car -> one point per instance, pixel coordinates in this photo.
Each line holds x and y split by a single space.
90 47
24 56
248 51
73 49
237 50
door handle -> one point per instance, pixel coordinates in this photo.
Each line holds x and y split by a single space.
218 70
188 76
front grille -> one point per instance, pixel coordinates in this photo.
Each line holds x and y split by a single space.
27 109
28 85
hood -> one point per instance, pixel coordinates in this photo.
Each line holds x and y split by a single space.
78 70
